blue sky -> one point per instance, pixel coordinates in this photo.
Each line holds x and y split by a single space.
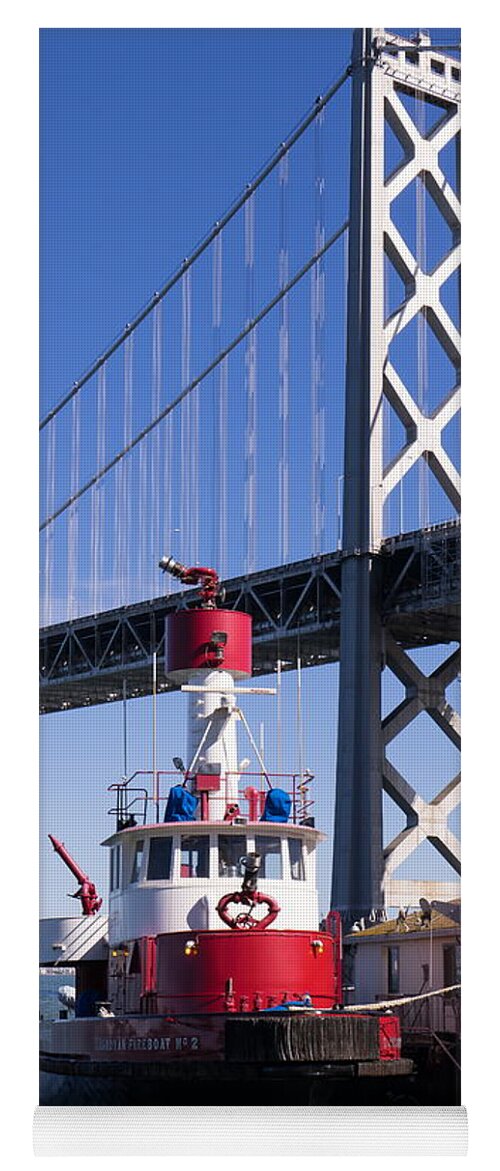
147 135
146 138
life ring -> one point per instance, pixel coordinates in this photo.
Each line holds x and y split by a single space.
244 920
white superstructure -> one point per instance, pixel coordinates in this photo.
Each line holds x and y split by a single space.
169 878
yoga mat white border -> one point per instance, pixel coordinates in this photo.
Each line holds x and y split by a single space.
19 970
236 1131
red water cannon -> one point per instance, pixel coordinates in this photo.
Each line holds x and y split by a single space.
91 903
211 589
205 636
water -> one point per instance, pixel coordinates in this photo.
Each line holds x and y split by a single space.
49 984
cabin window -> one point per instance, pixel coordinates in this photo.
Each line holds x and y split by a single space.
115 866
451 968
195 856
160 858
393 970
270 857
296 858
137 863
112 869
231 849
135 962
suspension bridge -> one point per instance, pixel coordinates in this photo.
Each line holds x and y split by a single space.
285 407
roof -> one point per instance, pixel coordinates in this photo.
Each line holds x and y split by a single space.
267 828
412 924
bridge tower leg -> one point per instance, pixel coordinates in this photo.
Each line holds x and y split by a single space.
383 69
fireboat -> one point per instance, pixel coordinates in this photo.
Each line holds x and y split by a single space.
210 969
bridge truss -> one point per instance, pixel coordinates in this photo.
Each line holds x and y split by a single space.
412 90
295 610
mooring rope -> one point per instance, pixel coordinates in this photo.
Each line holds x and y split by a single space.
401 1000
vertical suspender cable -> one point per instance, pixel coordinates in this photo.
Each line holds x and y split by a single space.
223 442
101 514
98 495
278 717
300 740
124 709
116 594
217 286
142 544
127 435
221 412
156 795
121 484
154 550
116 598
314 412
169 480
72 565
251 388
119 511
317 358
186 436
283 364
194 398
49 532
93 533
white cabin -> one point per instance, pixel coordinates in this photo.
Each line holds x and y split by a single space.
169 877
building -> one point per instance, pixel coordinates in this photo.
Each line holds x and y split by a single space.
408 956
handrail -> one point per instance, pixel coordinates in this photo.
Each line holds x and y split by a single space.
298 787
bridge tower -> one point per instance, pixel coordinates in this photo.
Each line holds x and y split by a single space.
387 69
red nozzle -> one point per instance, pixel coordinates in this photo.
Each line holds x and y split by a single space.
86 892
194 575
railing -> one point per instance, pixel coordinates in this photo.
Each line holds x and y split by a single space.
134 802
423 1017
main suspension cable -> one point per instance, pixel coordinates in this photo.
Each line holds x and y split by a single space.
201 247
200 377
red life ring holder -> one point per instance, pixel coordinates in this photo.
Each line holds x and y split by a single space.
245 920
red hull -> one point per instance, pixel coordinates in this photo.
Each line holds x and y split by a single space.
156 1040
135 1038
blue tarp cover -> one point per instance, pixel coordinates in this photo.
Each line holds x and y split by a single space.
306 1002
278 805
181 804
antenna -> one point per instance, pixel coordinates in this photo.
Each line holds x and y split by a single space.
156 795
300 744
278 713
124 709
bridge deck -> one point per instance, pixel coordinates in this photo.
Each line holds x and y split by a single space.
85 661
